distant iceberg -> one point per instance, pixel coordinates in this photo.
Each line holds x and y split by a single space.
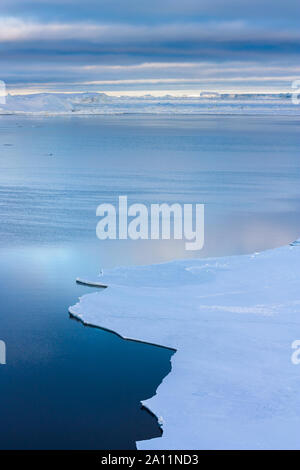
233 321
101 103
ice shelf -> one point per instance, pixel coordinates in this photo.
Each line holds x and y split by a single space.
232 321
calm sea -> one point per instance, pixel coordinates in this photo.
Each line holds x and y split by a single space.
70 386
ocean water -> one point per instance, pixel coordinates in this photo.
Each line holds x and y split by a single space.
70 386
67 386
55 171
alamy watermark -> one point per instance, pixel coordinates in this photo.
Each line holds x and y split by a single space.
296 93
2 92
295 357
162 221
2 352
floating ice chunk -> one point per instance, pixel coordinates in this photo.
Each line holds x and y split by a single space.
232 321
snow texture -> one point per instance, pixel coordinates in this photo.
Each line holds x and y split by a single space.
232 321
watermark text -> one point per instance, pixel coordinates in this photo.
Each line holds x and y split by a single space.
296 93
2 352
2 92
161 221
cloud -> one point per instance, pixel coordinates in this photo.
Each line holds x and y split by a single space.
92 43
143 44
17 29
142 11
152 76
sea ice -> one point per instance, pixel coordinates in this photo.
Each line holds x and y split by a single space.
232 321
47 104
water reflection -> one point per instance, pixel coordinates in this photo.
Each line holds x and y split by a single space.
66 385
245 169
70 386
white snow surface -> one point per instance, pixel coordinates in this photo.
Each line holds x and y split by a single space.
101 103
232 321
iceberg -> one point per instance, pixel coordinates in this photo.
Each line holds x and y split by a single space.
52 104
232 322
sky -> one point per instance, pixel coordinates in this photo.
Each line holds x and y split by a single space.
157 46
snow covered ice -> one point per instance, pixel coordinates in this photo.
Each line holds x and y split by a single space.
47 104
232 321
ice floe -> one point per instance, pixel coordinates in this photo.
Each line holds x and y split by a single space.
101 103
232 321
